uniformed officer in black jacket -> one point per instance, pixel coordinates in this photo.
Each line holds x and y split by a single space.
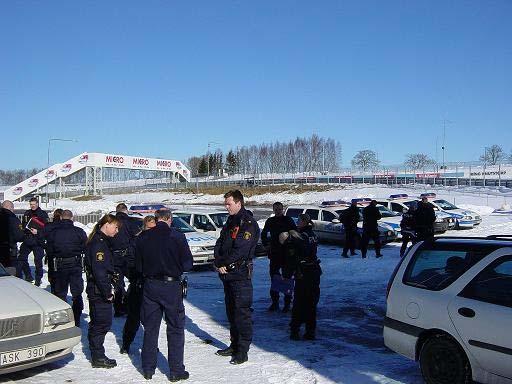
162 256
11 233
371 215
349 218
234 251
425 218
66 244
275 225
101 280
301 249
48 229
122 246
33 242
408 227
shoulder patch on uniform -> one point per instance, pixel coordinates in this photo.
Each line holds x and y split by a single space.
21 226
247 235
100 256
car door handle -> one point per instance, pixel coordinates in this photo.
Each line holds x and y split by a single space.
466 312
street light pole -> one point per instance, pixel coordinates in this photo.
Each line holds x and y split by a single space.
48 163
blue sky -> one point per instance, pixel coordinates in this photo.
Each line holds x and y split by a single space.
164 78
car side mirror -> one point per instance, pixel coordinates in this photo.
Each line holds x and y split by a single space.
335 221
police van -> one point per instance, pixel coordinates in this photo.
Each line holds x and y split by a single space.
464 218
401 201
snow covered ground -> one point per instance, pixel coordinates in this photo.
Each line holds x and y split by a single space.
349 348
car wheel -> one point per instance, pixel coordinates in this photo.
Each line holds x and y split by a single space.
442 361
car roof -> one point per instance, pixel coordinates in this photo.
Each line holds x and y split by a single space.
199 210
492 240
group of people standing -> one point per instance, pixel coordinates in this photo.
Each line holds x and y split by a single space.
417 223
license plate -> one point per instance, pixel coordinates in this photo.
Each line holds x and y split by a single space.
21 355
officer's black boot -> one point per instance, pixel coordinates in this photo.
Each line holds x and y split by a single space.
239 358
229 351
180 376
103 362
147 375
287 302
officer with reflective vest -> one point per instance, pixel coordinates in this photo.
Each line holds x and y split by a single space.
234 251
101 280
66 244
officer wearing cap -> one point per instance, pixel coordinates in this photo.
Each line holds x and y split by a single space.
10 234
234 250
100 288
66 244
162 255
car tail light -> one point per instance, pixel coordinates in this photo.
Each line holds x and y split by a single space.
392 278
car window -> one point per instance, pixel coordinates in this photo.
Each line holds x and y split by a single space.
293 212
395 207
219 219
181 226
313 213
200 221
3 272
185 216
328 216
443 204
492 285
437 268
386 212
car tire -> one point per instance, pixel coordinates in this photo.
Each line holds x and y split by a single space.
442 361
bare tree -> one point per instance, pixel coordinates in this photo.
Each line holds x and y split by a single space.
365 159
417 161
492 155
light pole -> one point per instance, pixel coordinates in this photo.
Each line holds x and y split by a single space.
208 158
48 160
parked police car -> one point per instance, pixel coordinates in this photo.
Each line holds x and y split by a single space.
449 306
398 202
328 227
210 220
201 244
36 327
464 217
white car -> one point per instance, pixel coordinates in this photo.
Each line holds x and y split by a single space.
210 220
449 306
327 225
398 202
463 217
36 327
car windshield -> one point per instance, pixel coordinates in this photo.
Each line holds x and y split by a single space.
386 212
443 204
3 272
409 204
219 219
181 226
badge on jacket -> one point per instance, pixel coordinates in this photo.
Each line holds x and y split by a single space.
100 256
247 235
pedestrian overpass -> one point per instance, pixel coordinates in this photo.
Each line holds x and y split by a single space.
94 163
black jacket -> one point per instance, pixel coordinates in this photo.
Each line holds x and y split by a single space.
11 232
425 216
162 251
38 239
66 241
276 225
124 240
371 215
301 252
99 267
350 217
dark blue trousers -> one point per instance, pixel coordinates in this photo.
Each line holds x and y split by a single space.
23 268
70 278
162 297
238 298
100 313
133 307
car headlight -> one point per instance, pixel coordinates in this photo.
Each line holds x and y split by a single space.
467 218
195 248
439 220
61 316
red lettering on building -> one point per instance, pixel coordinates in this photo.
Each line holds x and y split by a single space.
114 159
164 163
140 161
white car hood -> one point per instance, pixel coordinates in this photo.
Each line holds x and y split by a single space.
200 239
22 298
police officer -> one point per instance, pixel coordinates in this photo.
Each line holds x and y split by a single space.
301 249
163 255
124 260
66 244
350 218
408 227
234 250
134 299
100 288
275 225
10 234
33 242
48 229
371 215
425 217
